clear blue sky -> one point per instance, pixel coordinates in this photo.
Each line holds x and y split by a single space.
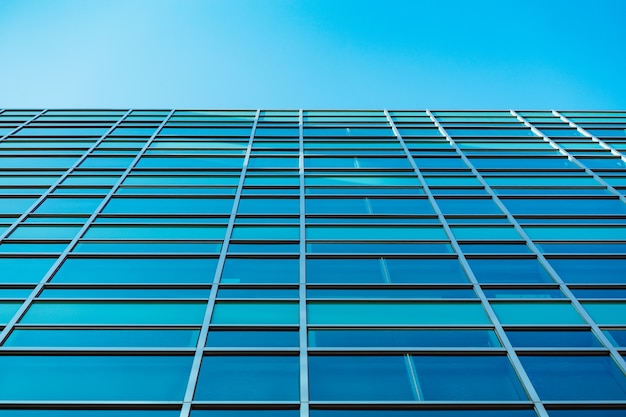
313 54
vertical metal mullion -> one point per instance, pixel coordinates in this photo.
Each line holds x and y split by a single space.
594 138
204 331
569 156
26 123
511 353
303 339
20 312
67 173
595 328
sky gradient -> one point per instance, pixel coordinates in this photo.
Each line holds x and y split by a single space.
313 54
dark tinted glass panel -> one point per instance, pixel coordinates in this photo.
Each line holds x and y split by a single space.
402 338
360 378
508 271
248 378
553 338
423 413
89 413
245 413
563 378
588 413
467 378
600 271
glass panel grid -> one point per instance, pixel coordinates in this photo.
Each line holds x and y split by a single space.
313 262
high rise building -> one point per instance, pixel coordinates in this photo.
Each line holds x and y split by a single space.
211 263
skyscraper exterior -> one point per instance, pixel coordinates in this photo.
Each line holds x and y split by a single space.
295 263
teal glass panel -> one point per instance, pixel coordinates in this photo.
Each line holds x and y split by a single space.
260 270
248 378
345 271
395 313
375 233
492 248
44 232
596 412
268 206
245 413
153 338
360 378
136 271
426 413
542 181
32 248
64 131
362 180
93 378
252 338
187 162
58 205
503 270
536 313
468 206
266 232
392 338
119 312
106 162
389 247
263 247
183 180
577 232
259 293
553 338
91 180
129 293
527 293
153 205
607 313
15 205
8 309
24 270
156 232
147 247
255 313
422 271
467 378
592 271
382 293
88 413
485 232
575 378
565 206
33 162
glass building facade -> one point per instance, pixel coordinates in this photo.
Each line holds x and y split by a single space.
295 263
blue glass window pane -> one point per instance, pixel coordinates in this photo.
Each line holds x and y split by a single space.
153 205
509 271
68 205
405 271
267 292
360 378
24 270
255 313
565 206
115 313
137 270
536 293
89 413
269 206
245 413
598 271
617 337
391 293
577 378
260 270
553 338
248 378
588 413
467 378
374 338
344 271
252 338
423 413
468 206
76 378
102 338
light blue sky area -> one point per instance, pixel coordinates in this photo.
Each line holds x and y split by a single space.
313 54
